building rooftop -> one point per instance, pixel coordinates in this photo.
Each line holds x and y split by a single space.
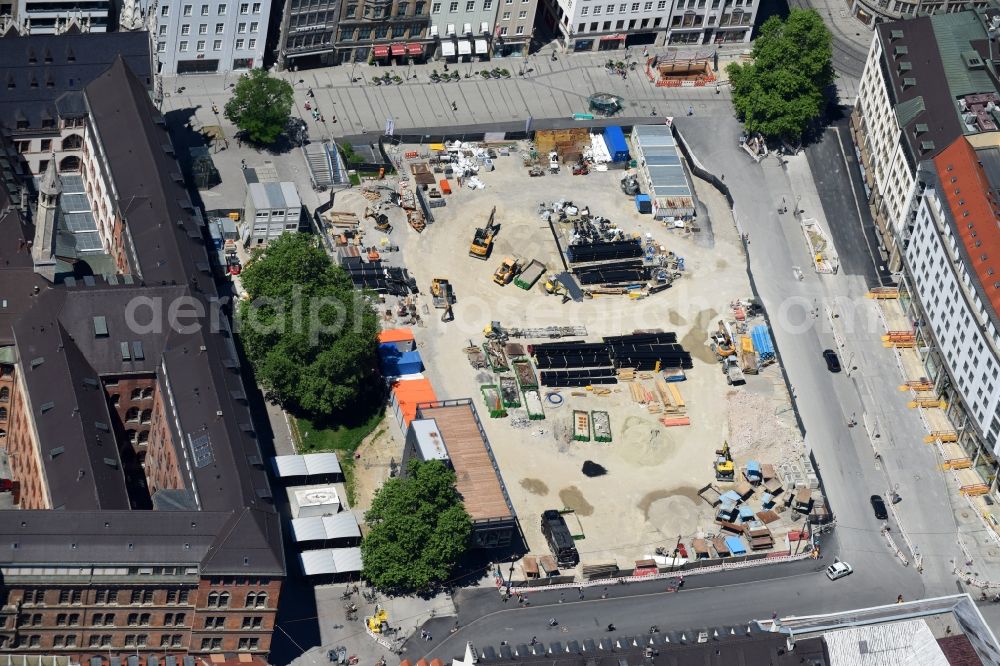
477 477
39 73
73 335
970 187
940 82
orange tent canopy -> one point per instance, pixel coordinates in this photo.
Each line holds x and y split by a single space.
411 392
395 335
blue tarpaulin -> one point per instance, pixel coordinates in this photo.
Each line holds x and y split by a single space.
762 342
395 363
753 469
735 545
731 497
614 138
746 513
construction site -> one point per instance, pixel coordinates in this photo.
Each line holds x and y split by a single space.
620 372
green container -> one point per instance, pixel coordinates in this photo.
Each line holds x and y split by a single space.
494 404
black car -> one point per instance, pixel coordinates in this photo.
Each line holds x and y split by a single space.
832 362
879 506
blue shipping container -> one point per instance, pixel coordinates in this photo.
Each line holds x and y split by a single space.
614 138
643 204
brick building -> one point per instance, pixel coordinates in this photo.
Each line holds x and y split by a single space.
143 523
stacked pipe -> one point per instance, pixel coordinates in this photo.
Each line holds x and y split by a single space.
576 363
626 272
604 250
381 278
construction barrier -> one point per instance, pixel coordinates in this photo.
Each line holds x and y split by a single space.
884 292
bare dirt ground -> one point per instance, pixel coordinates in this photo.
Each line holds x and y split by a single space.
649 494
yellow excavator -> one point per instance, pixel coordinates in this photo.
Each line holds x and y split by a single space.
725 470
482 242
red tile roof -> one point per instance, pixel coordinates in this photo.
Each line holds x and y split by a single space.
974 208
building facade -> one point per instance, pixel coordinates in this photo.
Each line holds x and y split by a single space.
107 418
926 82
308 31
208 37
872 12
711 21
463 30
515 27
383 32
951 288
270 210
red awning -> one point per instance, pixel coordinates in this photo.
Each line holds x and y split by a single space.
381 51
415 49
398 49
613 38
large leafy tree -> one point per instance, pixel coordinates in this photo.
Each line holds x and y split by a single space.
260 106
418 529
310 336
782 89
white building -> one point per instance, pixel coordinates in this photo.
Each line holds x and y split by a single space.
464 29
951 287
270 210
209 36
924 84
601 25
711 21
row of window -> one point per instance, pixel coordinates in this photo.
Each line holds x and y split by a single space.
220 10
619 25
183 46
220 28
381 32
374 11
219 622
216 644
622 8
108 620
72 142
104 597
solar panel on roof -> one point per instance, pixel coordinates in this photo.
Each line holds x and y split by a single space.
79 222
126 352
201 450
74 203
100 327
88 241
137 352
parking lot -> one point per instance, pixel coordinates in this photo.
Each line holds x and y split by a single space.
649 493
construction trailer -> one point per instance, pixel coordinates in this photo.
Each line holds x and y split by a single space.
450 431
662 172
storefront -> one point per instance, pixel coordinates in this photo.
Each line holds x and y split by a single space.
198 66
611 43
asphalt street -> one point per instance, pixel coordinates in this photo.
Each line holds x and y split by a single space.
838 180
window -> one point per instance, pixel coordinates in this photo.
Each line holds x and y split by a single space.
220 10
220 28
453 7
187 10
244 8
662 4
506 16
4 394
211 644
129 640
503 31
186 29
251 43
249 643
597 11
255 26
610 9
522 14
165 11
635 6
256 8
203 29
253 622
584 12
183 46
519 30
204 10
242 27
488 4
199 47
239 44
163 30
470 5
436 8
647 7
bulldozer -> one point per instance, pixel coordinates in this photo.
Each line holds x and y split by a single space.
378 621
482 242
381 220
494 331
725 470
507 271
554 287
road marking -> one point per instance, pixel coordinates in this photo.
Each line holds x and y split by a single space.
857 206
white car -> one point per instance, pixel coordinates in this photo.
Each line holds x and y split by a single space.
838 570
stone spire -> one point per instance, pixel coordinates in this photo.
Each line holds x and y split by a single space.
43 247
131 16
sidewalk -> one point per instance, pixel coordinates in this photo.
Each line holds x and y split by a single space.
548 89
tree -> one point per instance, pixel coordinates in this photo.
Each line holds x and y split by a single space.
309 335
260 106
418 528
782 89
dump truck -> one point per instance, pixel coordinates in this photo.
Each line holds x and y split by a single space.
559 538
482 242
530 275
441 293
506 272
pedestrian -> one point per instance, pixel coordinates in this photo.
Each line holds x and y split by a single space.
774 615
243 164
690 110
562 597
581 592
899 599
645 51
506 598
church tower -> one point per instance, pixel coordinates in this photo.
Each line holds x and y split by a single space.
43 247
